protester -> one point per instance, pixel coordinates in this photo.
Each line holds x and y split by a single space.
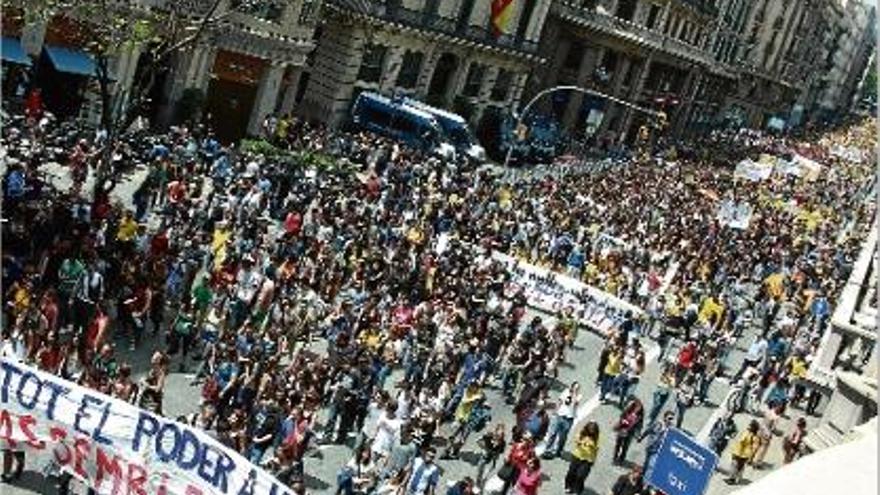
743 450
243 264
583 456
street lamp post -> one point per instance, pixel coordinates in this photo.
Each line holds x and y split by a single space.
542 93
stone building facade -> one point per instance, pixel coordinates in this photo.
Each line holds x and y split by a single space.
439 51
855 38
656 53
703 62
246 65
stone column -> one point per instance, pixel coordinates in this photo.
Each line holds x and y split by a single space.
289 98
32 36
687 111
518 85
457 80
176 83
609 5
124 68
590 58
485 94
392 67
539 14
619 75
204 68
686 98
427 71
635 91
664 17
267 96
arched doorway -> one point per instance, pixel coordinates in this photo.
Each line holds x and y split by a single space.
232 92
439 87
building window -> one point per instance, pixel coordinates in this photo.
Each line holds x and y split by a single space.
307 12
409 69
626 9
502 84
371 63
573 57
653 14
630 70
474 80
269 10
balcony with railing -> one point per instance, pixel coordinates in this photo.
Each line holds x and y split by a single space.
432 22
572 11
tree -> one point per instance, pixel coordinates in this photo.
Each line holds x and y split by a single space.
110 28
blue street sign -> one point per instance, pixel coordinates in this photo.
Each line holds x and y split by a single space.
681 466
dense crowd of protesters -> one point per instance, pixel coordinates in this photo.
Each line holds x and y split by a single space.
242 263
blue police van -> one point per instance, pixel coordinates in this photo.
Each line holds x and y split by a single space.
417 124
455 129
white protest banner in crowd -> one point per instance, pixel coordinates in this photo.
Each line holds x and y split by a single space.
848 153
753 171
735 215
789 168
115 447
553 292
799 166
810 170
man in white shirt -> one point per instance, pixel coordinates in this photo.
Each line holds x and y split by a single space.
566 410
754 356
424 476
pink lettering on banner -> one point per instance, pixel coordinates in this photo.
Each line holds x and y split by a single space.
114 447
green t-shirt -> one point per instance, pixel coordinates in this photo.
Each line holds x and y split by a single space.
203 296
184 324
70 272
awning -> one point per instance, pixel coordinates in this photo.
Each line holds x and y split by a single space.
13 52
71 60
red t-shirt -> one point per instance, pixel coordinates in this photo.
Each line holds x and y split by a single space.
293 223
176 191
159 244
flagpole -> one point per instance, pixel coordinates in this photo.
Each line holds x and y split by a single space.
519 118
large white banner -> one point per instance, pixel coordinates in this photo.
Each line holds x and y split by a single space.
115 447
553 292
753 171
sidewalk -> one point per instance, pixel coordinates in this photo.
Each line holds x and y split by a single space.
773 460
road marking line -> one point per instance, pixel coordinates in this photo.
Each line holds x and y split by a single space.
591 405
703 436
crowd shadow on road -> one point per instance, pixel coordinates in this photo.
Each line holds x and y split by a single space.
34 482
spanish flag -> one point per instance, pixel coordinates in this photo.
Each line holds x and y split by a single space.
502 13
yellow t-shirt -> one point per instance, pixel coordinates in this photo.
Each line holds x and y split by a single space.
798 368
415 235
371 339
745 447
774 285
463 412
504 197
21 299
127 230
711 309
585 449
218 245
612 367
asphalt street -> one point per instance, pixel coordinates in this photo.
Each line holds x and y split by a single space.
323 463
